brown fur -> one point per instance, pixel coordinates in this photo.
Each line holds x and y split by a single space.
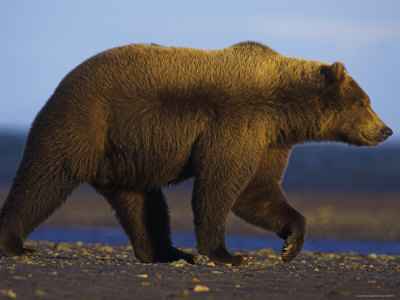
133 119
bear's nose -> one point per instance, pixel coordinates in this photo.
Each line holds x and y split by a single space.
386 132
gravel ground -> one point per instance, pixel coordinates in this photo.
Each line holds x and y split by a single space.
98 271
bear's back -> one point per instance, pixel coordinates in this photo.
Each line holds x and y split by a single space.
148 71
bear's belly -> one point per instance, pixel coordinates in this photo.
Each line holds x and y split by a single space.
144 171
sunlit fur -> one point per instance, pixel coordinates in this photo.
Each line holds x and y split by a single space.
136 118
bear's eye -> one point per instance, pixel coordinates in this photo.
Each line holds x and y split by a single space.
360 104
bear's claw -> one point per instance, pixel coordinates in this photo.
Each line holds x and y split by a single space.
290 251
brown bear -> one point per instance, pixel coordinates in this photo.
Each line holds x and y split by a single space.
133 119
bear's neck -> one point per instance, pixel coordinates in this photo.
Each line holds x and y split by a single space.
293 97
295 124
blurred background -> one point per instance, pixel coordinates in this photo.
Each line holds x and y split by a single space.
345 192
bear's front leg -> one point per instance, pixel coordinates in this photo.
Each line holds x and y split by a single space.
266 207
223 166
211 206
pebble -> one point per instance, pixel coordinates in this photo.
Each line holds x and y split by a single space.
179 263
106 249
200 260
269 262
201 288
184 293
25 260
40 293
63 247
10 293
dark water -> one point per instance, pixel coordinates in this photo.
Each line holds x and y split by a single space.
115 236
324 166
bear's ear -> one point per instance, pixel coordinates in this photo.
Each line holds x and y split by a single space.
333 73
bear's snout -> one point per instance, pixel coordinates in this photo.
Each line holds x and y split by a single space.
375 135
384 133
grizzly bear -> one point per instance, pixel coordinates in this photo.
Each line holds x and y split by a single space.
133 119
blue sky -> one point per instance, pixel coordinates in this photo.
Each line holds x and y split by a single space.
41 41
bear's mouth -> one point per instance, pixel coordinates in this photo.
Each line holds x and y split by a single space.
369 140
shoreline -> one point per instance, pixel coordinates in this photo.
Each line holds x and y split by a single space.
116 236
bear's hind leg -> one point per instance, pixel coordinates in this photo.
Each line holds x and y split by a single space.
266 207
144 218
36 193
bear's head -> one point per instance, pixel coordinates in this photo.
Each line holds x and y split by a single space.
351 119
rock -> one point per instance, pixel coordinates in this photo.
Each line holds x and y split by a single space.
184 293
63 247
10 293
269 262
201 288
106 249
40 293
25 260
142 275
179 263
200 259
